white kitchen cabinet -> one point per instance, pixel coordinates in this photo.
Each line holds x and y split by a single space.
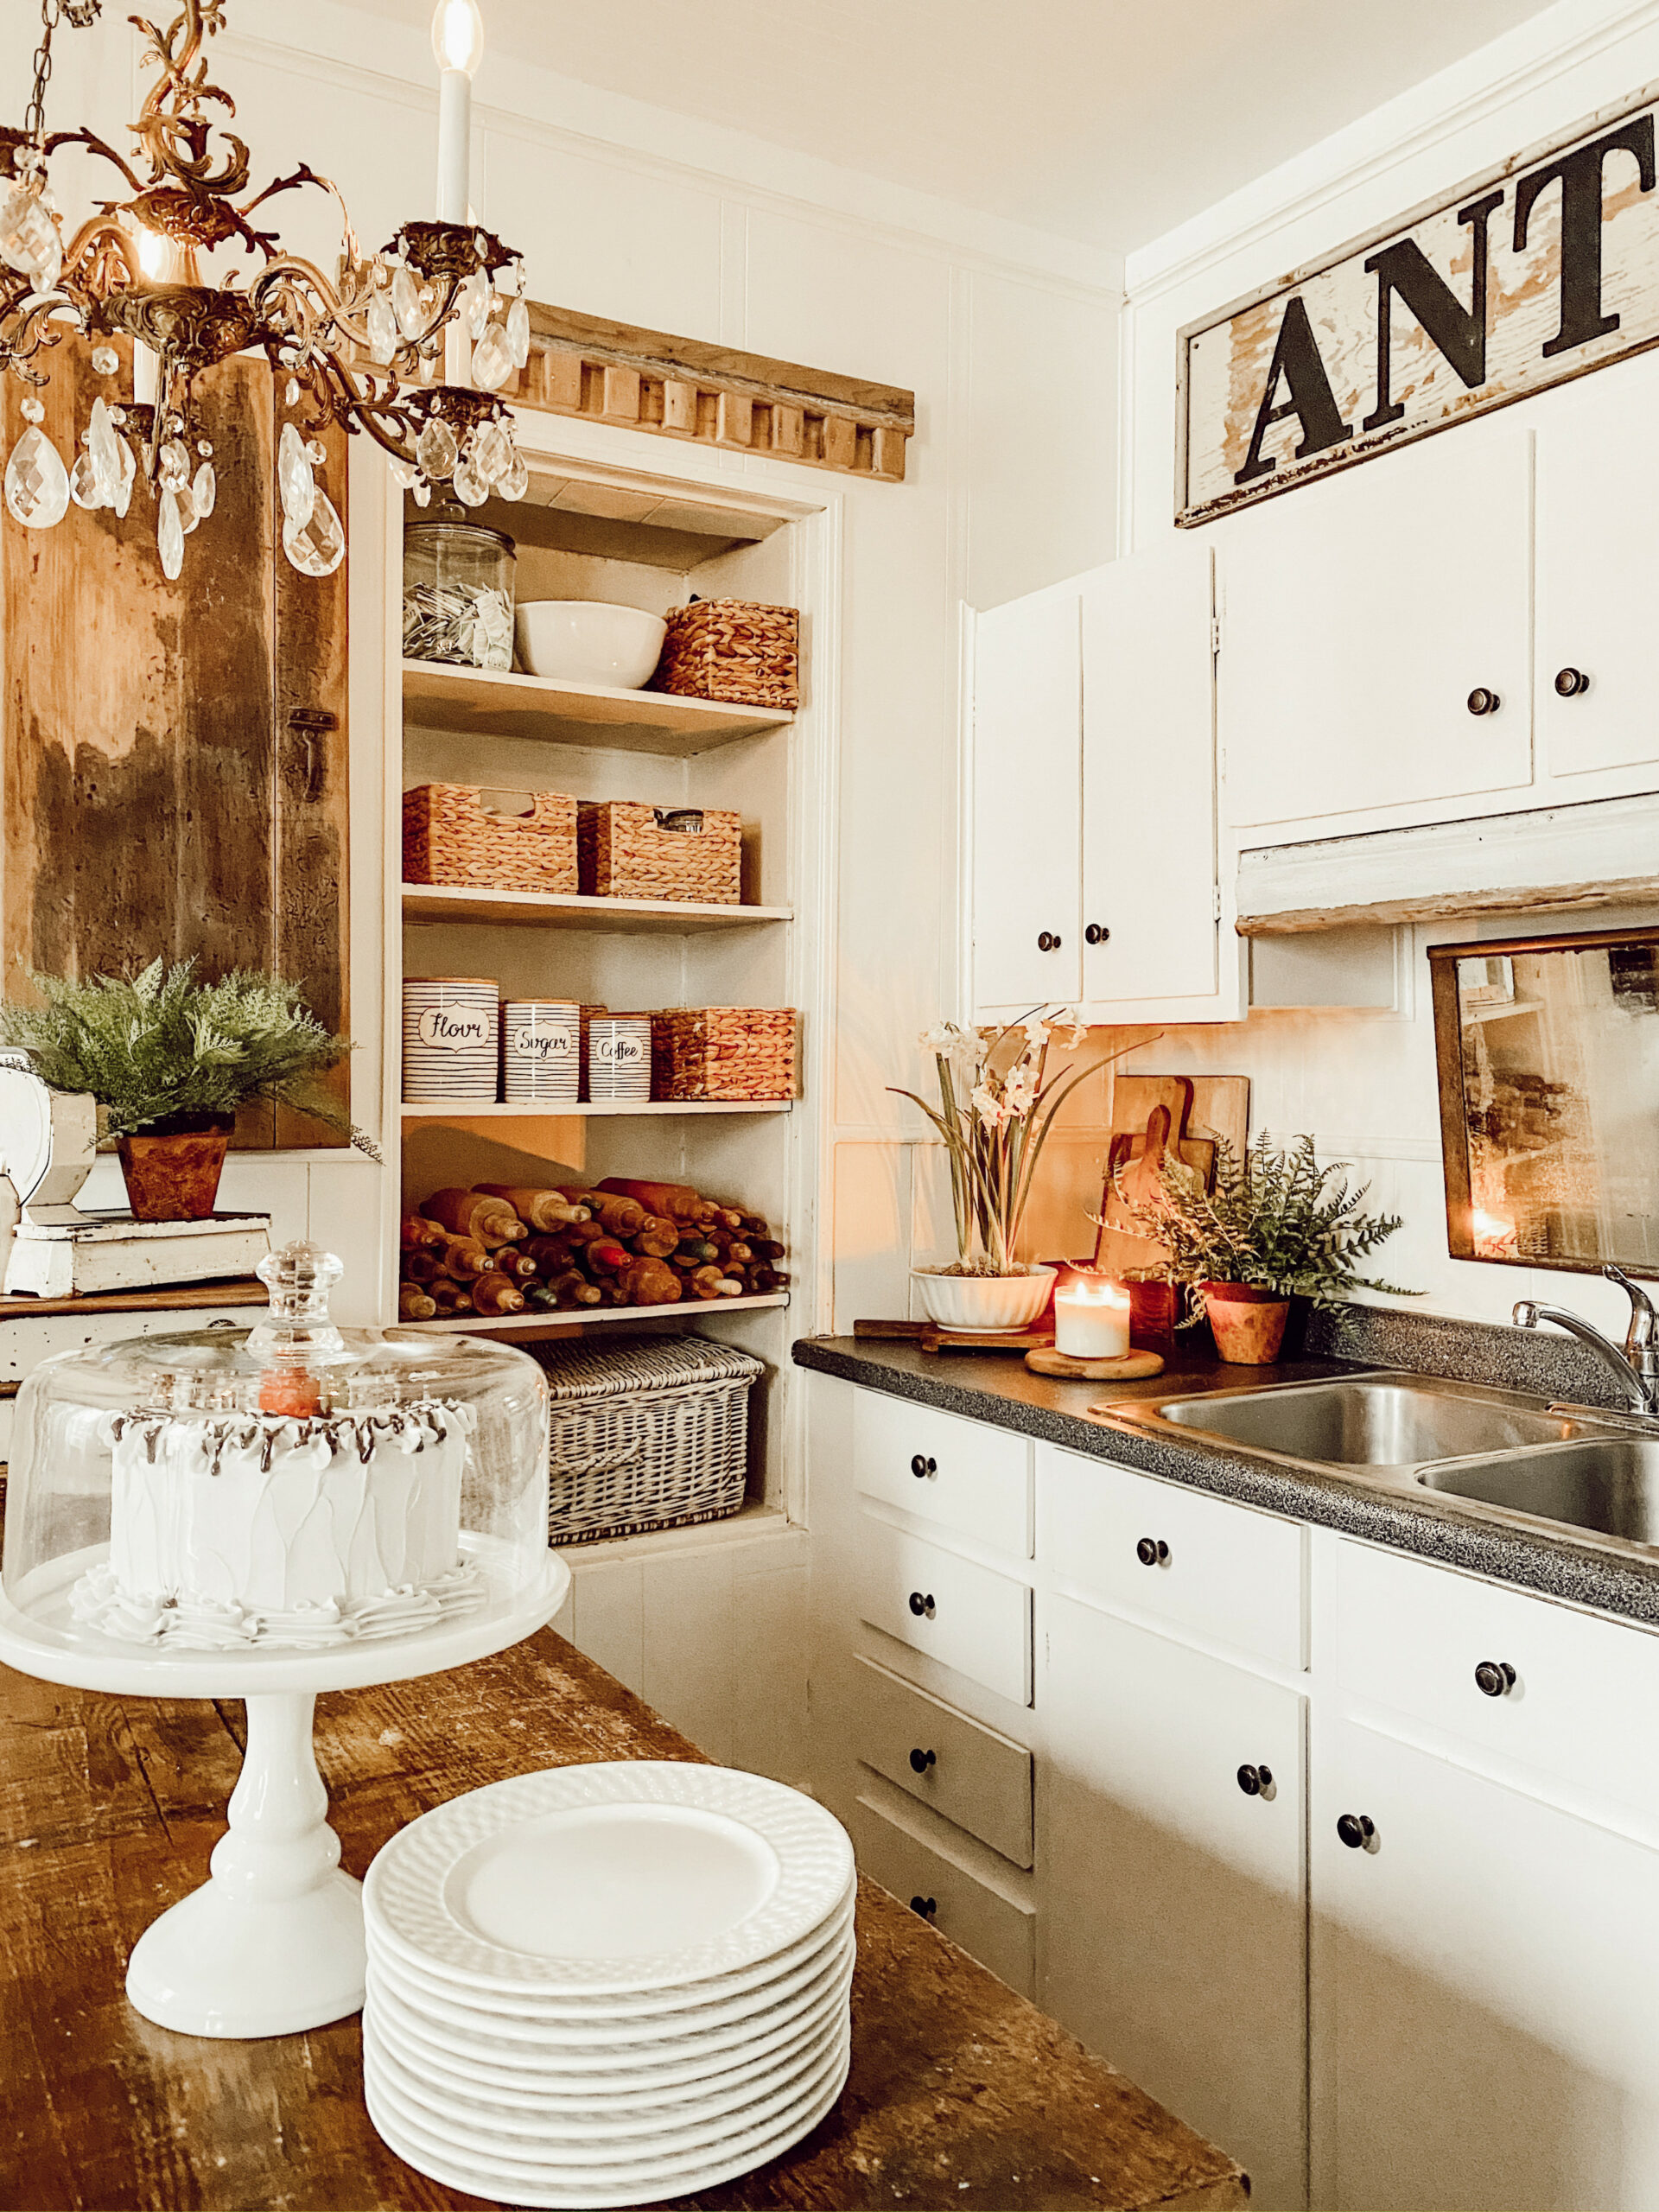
1150 910
1360 617
1173 1908
1027 771
1597 573
1485 1974
1095 794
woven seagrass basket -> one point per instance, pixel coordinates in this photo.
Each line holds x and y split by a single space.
626 850
646 1432
738 650
452 837
723 1051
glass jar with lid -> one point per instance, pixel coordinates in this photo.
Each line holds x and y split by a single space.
229 1495
458 592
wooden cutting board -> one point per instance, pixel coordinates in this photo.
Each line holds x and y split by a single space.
1120 1246
1216 1106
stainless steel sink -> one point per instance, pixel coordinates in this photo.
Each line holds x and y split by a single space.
1608 1483
1386 1421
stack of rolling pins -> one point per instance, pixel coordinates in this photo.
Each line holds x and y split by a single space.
501 1248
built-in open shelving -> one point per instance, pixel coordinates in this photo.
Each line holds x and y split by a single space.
472 1109
433 902
589 1317
489 702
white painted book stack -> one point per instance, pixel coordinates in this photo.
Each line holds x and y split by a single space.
607 1984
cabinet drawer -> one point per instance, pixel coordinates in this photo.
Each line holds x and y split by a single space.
1222 1570
980 1780
998 1933
959 1613
1410 1636
960 1473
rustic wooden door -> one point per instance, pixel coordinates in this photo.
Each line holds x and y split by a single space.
173 755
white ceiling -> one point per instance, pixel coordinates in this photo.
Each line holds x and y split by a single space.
1106 121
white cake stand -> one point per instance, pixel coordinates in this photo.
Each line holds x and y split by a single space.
273 1943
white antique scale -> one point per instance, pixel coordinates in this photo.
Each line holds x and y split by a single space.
51 1247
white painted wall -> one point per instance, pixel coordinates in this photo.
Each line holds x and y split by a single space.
1364 1084
1007 337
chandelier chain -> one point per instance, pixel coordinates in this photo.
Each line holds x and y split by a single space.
81 13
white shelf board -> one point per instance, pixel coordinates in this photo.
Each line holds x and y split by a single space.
437 902
588 1317
438 694
474 1109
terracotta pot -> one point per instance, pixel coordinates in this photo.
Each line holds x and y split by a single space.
172 1167
1248 1324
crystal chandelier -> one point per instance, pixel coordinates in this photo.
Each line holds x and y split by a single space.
352 351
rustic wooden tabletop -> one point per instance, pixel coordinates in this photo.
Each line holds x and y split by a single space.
961 2094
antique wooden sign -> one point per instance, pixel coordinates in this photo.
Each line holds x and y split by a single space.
1542 269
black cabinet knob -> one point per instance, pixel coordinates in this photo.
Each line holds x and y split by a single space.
1047 941
926 1906
921 1467
1152 1551
1572 683
1483 702
922 1606
1255 1781
1097 933
1494 1678
920 1761
1358 1831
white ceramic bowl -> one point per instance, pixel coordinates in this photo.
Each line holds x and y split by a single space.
588 641
988 1302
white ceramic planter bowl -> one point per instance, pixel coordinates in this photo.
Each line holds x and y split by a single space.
588 641
987 1302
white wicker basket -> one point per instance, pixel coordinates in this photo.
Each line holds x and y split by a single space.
646 1432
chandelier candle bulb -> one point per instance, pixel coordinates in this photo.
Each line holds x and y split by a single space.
458 45
1091 1318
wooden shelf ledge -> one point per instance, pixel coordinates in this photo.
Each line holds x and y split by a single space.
438 902
439 694
587 1317
462 1111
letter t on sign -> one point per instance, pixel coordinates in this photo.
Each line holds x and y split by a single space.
1580 173
1296 358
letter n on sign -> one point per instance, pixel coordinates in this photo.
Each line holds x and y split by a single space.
1540 270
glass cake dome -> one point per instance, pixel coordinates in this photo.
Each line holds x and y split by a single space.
291 1489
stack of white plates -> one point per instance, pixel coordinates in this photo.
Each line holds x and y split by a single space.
607 1984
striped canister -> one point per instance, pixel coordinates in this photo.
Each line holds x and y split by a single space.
451 1026
619 1058
541 1048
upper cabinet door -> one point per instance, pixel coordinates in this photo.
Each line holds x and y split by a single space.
1599 572
1149 778
1027 741
1366 622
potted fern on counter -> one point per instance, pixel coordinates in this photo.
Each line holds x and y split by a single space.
169 1059
1277 1226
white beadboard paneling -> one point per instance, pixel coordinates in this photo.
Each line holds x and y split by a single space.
1018 544
690 1657
769 1734
871 1229
609 1616
603 239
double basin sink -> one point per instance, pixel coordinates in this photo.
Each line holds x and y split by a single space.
1573 1468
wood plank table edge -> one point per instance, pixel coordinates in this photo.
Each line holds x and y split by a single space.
111 1807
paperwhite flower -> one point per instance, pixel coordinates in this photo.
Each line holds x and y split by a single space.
943 1037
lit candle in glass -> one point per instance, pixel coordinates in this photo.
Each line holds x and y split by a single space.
1091 1318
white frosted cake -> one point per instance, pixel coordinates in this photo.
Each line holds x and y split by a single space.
229 1529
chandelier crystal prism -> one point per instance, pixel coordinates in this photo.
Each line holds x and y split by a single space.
365 349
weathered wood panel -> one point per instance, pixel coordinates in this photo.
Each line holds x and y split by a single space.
961 2092
1539 269
156 799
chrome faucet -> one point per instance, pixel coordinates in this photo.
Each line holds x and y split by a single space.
1636 1367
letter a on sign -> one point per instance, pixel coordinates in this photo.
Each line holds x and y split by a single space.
1296 364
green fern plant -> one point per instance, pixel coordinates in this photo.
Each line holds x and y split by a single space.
159 1044
1275 1220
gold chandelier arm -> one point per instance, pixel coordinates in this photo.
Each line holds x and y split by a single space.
171 127
94 144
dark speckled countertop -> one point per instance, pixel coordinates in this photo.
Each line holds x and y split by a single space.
1573 1564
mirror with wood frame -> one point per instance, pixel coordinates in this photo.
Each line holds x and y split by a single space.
1548 1052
